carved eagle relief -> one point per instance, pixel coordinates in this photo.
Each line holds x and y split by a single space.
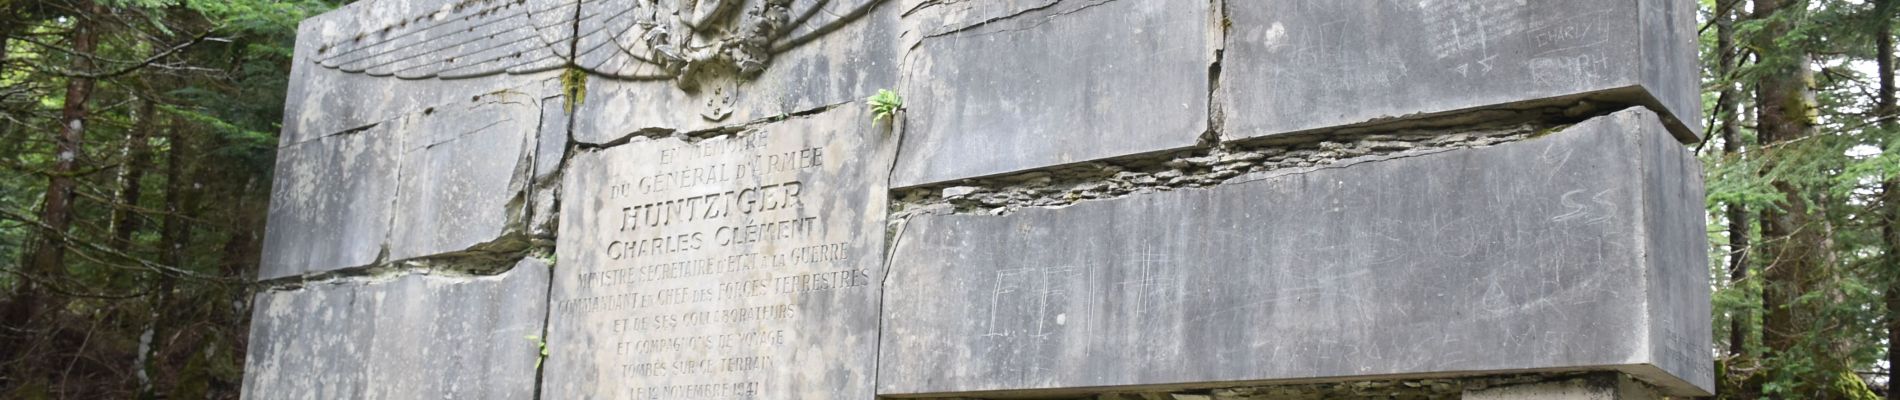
677 40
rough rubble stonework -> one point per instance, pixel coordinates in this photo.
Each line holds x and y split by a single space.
1101 199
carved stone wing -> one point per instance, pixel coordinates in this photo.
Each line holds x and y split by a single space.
618 38
468 39
622 39
812 19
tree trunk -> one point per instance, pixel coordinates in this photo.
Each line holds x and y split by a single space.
46 258
1794 242
238 259
1883 57
174 237
1890 190
6 35
125 222
137 158
1736 214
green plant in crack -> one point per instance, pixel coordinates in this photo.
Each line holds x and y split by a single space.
884 104
573 88
543 345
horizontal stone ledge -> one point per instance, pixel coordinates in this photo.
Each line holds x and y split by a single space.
407 337
1595 387
1577 251
1301 65
1542 385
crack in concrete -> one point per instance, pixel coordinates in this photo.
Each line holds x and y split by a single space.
345 132
924 5
1216 114
1024 13
893 236
697 136
461 265
1221 163
492 98
547 316
979 24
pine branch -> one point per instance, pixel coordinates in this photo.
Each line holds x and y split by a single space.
135 65
143 263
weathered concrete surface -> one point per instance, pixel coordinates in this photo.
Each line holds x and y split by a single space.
331 203
399 140
551 147
853 57
926 18
1300 65
464 175
994 89
1579 250
408 337
446 179
1594 387
741 266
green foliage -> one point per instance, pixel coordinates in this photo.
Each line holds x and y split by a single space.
201 163
884 104
1834 177
541 344
1847 386
573 88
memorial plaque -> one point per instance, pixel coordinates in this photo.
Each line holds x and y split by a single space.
746 265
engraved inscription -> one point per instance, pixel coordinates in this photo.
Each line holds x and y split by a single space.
736 267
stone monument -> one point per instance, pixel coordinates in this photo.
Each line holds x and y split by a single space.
1106 199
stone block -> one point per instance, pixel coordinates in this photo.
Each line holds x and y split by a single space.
746 265
551 148
331 202
1580 250
994 88
465 168
407 337
446 179
1302 65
